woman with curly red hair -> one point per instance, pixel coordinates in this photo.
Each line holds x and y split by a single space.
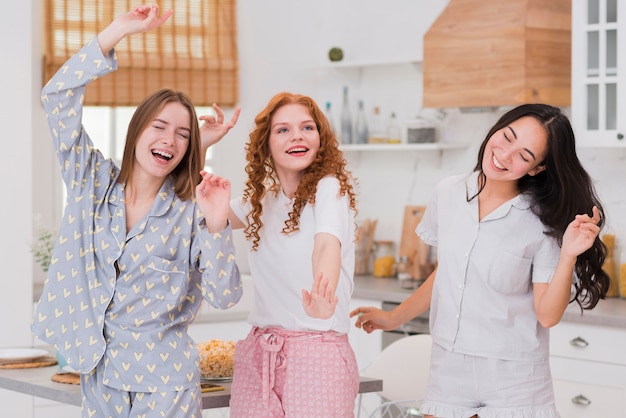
297 211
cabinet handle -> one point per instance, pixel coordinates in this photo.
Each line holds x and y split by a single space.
620 136
581 400
579 342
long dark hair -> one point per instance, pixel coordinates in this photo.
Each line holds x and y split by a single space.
559 193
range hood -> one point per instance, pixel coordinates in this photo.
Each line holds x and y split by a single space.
482 53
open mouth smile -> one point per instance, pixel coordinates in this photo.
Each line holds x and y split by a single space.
497 164
297 150
164 155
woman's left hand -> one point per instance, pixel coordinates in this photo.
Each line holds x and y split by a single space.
213 198
320 302
213 129
581 234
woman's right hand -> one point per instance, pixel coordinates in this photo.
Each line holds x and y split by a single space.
140 19
370 319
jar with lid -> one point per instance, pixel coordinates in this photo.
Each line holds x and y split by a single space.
384 258
420 130
403 272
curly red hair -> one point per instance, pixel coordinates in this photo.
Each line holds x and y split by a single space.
262 176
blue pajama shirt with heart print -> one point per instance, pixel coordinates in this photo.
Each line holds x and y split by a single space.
117 300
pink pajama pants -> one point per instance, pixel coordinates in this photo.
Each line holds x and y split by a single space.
282 373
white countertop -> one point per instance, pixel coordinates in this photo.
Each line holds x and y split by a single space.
37 382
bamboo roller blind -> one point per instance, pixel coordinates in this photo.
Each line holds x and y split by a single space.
194 51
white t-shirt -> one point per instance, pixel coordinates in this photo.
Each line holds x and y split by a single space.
282 264
482 301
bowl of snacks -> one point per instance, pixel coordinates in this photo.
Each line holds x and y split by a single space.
217 360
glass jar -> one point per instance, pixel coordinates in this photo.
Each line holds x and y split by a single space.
403 272
384 258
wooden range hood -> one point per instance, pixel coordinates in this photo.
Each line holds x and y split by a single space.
482 53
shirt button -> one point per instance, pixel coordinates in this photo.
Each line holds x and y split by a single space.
461 286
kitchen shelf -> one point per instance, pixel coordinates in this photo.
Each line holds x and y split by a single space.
434 146
362 64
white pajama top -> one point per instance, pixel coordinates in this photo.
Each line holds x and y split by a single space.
482 300
282 265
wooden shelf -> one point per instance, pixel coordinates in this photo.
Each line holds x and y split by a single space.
362 64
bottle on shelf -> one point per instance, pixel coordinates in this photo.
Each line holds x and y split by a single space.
622 275
377 131
362 133
346 119
609 265
393 130
331 118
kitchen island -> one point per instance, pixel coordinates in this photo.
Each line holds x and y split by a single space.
37 382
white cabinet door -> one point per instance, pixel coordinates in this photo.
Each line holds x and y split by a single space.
578 400
599 72
45 408
366 346
589 342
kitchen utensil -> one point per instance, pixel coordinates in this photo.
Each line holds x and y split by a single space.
410 242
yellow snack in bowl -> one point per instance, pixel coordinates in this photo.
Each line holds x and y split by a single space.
217 358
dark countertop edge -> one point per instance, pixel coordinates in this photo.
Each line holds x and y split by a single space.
610 312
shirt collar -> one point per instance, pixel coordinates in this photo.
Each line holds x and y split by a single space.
163 201
521 201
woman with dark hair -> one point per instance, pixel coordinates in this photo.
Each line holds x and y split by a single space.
140 246
298 210
517 241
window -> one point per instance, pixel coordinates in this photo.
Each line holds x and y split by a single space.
107 128
194 51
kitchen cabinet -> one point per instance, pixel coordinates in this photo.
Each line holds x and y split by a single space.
589 370
366 348
599 72
483 54
45 408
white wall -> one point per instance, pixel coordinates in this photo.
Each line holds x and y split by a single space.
20 123
283 46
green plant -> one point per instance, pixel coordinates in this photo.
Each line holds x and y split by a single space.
43 246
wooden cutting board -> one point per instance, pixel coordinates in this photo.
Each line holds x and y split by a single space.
410 244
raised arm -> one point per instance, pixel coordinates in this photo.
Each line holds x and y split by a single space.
140 19
552 298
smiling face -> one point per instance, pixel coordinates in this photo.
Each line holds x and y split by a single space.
163 143
516 150
294 141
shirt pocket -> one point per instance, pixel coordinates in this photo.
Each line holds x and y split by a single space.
166 279
510 273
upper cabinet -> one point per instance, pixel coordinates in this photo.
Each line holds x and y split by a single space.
599 72
498 53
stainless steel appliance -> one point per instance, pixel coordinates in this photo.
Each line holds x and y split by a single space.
417 325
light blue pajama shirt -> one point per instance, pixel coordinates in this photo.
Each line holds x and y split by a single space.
135 321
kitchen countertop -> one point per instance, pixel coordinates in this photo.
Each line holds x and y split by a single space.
609 312
37 382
